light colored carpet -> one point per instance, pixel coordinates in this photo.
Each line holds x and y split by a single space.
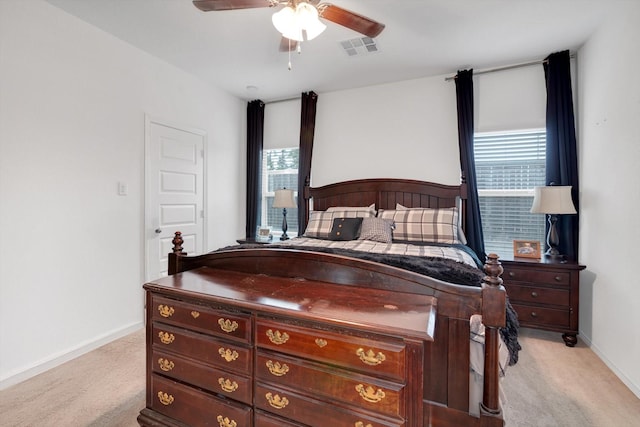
555 385
552 385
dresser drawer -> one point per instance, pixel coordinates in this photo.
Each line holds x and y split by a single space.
536 276
263 419
375 357
226 354
539 295
195 408
228 324
314 412
233 385
331 383
541 316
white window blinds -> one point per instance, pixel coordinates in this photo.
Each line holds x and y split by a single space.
508 166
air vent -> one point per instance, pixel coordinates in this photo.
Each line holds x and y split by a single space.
360 46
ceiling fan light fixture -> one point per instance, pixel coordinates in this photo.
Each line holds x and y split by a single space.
291 22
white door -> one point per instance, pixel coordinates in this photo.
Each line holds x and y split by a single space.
174 192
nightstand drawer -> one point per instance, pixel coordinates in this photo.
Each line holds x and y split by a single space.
528 315
539 295
536 276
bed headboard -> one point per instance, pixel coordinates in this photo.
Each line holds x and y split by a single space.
385 193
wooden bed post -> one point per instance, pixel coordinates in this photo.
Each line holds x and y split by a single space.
493 317
176 253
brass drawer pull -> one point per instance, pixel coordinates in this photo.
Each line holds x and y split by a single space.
165 310
534 314
558 279
166 337
369 394
227 385
277 337
165 364
320 342
277 369
370 358
165 398
276 401
512 274
228 354
534 294
195 314
361 424
227 325
226 422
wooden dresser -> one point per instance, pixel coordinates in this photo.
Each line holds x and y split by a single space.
230 349
545 294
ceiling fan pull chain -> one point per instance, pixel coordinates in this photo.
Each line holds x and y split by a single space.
289 54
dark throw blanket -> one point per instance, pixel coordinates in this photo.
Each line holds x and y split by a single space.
438 268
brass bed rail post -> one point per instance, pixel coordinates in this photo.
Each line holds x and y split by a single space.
493 317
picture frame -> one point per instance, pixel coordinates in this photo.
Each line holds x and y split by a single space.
264 234
526 249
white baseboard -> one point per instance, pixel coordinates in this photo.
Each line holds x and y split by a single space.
57 360
635 388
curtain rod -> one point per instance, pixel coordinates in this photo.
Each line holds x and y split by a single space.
507 67
283 100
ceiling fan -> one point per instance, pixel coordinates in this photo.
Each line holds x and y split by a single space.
328 11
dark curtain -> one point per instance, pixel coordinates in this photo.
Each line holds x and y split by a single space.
562 157
464 99
307 129
255 133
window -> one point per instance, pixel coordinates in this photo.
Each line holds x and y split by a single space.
508 166
279 170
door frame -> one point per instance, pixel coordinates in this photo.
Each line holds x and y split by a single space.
148 121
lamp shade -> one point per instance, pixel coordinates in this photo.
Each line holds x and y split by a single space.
284 199
291 22
553 200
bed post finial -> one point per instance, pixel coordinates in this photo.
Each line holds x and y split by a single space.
493 270
177 243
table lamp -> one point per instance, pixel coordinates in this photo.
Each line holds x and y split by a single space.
284 199
553 200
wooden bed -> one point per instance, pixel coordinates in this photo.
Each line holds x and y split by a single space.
424 375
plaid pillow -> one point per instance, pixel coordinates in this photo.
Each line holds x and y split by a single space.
365 211
424 225
319 225
377 230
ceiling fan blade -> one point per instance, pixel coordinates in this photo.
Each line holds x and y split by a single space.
214 5
351 20
285 46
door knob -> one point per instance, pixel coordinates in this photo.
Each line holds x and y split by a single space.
158 231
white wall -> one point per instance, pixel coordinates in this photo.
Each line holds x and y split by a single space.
72 105
609 151
400 130
409 129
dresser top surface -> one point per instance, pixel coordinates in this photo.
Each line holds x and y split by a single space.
373 309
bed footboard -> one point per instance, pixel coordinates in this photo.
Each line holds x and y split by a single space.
446 384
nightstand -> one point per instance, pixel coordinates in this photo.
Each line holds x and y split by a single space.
545 294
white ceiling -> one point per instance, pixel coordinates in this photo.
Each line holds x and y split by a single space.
238 49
